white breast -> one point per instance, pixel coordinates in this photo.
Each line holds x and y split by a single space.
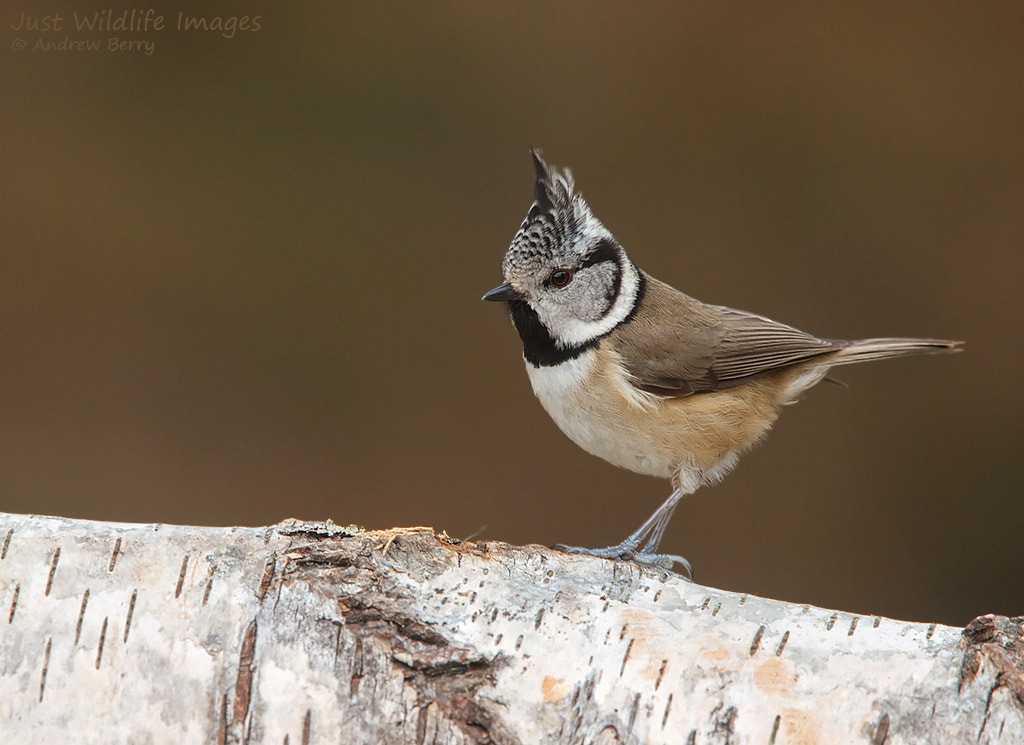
576 395
559 389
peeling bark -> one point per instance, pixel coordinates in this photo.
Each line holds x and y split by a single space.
310 633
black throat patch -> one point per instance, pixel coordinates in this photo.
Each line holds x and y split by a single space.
540 348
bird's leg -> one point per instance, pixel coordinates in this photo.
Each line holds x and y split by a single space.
666 510
649 535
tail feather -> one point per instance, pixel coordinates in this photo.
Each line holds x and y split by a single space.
878 349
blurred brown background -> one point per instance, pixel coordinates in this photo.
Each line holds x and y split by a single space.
240 278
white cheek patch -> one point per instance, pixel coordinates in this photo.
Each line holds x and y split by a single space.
574 331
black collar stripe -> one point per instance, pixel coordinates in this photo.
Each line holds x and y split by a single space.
540 348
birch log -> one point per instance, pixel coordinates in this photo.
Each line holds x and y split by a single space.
309 633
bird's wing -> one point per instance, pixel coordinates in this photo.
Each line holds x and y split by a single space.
676 346
751 344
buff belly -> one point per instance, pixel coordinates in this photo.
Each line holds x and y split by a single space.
693 440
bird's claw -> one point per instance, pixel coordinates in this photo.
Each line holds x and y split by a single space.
626 553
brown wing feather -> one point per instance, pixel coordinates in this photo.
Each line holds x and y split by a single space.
752 344
676 345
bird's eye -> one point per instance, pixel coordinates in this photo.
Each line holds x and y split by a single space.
561 277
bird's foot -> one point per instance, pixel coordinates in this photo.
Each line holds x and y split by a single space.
626 552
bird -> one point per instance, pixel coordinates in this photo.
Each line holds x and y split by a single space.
642 375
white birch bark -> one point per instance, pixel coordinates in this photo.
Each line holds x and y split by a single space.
305 633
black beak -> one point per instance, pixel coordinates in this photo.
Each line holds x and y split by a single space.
505 293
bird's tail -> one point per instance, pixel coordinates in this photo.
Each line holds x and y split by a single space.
877 349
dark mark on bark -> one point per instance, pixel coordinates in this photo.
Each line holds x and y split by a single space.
209 584
114 554
376 627
988 709
363 611
625 657
181 576
307 726
632 713
222 734
53 570
445 668
131 612
881 731
315 555
782 644
243 683
661 674
414 645
723 723
99 647
7 544
984 629
999 642
756 643
14 603
853 625
81 615
668 707
775 729
46 666
454 695
268 576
